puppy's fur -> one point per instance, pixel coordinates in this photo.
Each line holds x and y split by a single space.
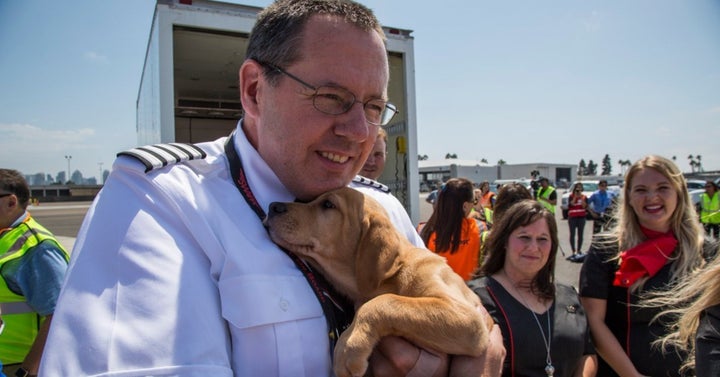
398 289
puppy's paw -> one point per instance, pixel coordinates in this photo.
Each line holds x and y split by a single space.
352 353
348 364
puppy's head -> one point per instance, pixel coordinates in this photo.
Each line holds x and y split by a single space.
325 232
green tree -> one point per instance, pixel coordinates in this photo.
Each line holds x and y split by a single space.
606 165
501 162
451 155
591 168
422 157
534 174
582 168
484 160
698 158
623 165
693 163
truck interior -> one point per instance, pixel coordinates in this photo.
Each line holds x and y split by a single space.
207 104
206 63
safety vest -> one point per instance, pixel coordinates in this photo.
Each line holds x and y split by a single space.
488 215
575 206
21 321
486 199
545 195
710 211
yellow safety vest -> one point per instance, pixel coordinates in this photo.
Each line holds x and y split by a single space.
545 196
21 321
710 211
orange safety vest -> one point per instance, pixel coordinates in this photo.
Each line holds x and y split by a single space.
486 199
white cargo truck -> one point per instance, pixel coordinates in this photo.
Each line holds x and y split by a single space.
189 85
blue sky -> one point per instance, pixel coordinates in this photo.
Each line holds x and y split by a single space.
522 81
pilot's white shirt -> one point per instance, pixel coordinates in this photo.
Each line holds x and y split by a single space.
172 274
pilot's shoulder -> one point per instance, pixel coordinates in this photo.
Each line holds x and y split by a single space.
360 181
157 156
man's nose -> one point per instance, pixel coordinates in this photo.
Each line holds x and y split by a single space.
353 124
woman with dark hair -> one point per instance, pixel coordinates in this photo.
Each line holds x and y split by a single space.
543 324
577 211
450 232
508 195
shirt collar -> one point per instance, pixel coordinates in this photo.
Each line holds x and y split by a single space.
20 219
264 183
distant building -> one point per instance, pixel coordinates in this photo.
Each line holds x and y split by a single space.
64 193
432 171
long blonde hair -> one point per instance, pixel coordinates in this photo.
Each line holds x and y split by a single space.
701 290
684 223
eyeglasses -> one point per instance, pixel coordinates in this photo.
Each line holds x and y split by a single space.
4 195
334 100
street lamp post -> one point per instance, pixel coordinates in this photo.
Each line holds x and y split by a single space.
100 164
68 158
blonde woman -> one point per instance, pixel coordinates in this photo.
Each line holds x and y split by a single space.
656 241
697 330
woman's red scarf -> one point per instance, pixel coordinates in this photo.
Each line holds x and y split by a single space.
645 259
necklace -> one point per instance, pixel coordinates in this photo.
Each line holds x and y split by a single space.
549 368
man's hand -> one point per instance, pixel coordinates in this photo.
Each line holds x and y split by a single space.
490 364
395 356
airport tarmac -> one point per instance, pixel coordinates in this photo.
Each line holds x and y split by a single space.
64 220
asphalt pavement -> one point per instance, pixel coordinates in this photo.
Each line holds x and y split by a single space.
64 220
565 271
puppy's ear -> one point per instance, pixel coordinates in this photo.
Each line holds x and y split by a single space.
377 250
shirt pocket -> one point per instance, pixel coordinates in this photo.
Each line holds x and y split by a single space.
277 326
259 300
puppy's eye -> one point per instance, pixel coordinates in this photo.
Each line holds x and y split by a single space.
328 204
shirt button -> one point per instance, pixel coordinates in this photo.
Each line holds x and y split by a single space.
284 304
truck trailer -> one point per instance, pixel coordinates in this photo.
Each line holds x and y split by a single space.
189 84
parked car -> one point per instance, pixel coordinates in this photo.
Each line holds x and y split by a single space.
696 187
588 188
694 184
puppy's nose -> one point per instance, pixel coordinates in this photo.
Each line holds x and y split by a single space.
277 208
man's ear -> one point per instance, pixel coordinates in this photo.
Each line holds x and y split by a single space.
13 201
251 80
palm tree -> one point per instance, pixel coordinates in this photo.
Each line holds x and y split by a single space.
624 164
692 162
699 163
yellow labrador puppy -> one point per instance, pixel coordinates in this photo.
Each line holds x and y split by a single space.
398 289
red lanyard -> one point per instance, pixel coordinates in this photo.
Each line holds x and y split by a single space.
337 309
